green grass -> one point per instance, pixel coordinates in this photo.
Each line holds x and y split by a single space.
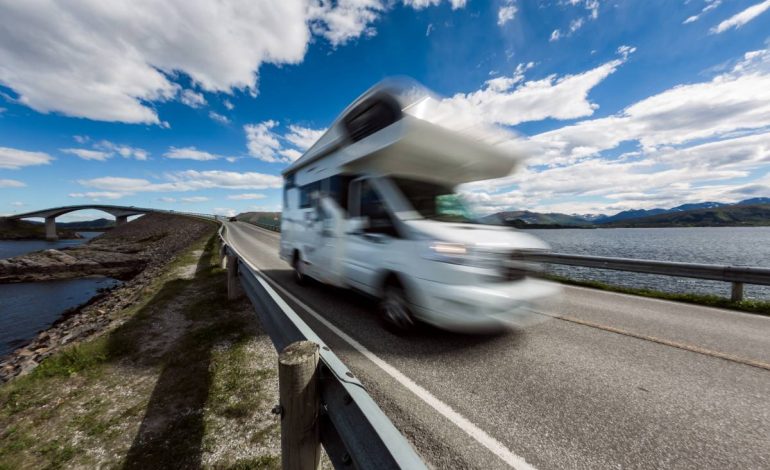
751 306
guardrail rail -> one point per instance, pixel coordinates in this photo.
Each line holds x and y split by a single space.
737 275
353 430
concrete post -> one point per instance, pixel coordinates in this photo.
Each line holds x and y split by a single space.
737 292
300 405
234 288
50 229
120 220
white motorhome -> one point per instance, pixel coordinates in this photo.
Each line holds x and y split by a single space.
372 206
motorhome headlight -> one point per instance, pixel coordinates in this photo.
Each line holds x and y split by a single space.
460 253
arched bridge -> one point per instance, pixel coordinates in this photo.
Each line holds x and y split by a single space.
121 214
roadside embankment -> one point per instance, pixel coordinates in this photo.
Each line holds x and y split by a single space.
180 377
136 252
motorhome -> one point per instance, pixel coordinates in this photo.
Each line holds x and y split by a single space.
372 206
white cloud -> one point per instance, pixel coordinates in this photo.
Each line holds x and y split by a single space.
710 5
262 142
290 155
86 154
227 212
420 4
13 159
555 35
303 137
693 142
190 153
554 97
228 104
124 151
222 119
167 199
6 183
97 195
110 62
189 180
81 139
740 19
193 199
506 13
681 114
246 196
18 204
343 20
192 98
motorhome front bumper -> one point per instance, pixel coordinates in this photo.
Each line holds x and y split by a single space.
482 308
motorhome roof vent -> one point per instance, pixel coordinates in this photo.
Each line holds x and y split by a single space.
373 114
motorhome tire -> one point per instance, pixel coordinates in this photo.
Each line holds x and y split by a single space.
396 314
299 270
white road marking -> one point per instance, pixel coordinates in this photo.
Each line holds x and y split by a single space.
489 442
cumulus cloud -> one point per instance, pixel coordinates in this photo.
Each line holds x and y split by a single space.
222 119
192 98
246 196
510 100
190 153
87 154
189 180
506 13
13 159
228 104
692 142
125 151
678 115
110 62
262 142
740 19
97 195
6 183
303 137
193 199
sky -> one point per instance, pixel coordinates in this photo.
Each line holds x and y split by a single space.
199 106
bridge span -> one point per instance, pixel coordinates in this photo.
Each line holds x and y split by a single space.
121 214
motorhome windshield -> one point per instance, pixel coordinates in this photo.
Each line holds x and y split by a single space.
434 201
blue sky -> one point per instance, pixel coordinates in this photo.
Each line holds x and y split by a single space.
199 105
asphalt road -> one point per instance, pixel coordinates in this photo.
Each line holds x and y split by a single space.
611 381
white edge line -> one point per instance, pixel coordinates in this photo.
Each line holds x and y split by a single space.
492 444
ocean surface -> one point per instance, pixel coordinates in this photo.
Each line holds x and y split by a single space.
28 307
737 246
11 248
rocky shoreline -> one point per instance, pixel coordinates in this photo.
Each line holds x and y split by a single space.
137 253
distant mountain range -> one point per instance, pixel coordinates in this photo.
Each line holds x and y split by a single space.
703 214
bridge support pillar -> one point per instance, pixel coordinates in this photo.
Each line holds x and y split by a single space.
234 288
50 229
120 220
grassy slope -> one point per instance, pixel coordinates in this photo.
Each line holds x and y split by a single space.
185 381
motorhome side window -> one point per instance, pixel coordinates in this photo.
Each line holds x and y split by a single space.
306 194
373 208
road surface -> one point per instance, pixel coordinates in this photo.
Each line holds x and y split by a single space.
611 381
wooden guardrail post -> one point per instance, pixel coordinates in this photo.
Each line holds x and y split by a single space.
234 288
300 404
737 292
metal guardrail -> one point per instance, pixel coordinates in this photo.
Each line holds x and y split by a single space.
353 430
737 275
